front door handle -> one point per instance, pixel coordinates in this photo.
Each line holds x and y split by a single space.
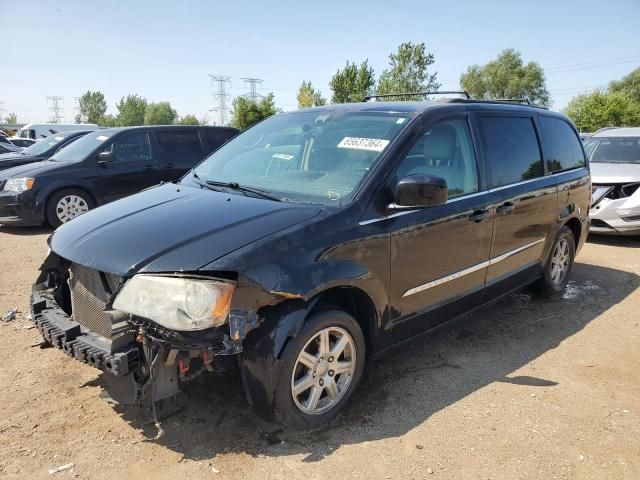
169 165
505 208
479 215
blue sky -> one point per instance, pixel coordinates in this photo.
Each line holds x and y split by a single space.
166 50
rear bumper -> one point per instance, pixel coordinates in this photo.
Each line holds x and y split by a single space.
62 332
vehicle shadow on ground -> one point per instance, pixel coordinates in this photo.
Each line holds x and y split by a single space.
614 240
26 231
405 388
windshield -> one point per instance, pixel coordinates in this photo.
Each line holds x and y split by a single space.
43 145
613 149
305 156
81 148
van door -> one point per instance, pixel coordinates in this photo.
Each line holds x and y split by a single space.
439 255
179 150
525 200
133 168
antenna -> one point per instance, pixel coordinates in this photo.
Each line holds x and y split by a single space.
221 96
253 84
55 108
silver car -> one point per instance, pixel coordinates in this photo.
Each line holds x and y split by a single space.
614 155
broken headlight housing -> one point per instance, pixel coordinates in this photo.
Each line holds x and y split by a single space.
178 303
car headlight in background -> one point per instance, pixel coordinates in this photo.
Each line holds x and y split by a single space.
177 303
18 185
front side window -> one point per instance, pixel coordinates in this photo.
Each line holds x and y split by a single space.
131 147
215 137
613 149
511 148
446 151
306 156
562 149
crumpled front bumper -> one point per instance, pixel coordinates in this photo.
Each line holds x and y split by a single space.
64 333
606 219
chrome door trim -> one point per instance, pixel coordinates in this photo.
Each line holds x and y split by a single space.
467 271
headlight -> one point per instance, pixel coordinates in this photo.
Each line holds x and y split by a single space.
19 184
177 303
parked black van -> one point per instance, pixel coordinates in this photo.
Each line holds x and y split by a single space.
103 166
313 240
42 150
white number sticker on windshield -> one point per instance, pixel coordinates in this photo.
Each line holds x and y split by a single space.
102 138
372 144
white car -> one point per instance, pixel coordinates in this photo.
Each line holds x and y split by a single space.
614 156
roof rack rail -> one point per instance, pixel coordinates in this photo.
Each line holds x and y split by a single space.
603 129
500 101
411 94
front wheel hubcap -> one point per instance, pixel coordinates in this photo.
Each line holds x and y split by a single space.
323 371
70 206
560 261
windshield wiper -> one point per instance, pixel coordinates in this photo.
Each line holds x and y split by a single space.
244 188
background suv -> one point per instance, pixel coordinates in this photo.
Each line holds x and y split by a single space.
103 166
614 154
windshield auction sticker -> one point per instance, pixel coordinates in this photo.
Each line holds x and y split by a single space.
372 144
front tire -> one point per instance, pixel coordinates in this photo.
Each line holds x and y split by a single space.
67 204
321 367
558 266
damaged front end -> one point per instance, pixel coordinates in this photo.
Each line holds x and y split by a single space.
73 307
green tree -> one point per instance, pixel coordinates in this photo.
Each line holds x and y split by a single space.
629 84
188 120
11 118
160 113
92 107
131 111
408 71
309 96
603 109
352 83
507 77
246 112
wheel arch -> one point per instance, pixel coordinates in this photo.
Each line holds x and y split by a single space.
576 228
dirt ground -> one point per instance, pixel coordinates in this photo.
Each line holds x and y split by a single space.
528 388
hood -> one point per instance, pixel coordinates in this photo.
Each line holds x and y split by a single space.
606 173
171 228
30 169
9 160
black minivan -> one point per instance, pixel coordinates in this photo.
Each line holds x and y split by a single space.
313 240
103 166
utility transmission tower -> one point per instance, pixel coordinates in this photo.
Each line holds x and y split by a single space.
55 107
253 84
221 96
77 108
1 110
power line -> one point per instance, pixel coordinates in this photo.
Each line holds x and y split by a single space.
55 108
253 84
221 96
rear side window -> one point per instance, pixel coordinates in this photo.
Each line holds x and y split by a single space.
562 149
511 148
215 138
179 142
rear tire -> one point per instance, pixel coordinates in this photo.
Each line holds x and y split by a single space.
67 204
559 264
321 368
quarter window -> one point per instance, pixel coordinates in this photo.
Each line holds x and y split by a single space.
562 149
511 148
446 151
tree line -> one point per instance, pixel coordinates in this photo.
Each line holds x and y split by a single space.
410 69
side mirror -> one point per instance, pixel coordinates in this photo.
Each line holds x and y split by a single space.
105 157
416 191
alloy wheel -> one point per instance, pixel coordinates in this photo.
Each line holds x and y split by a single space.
323 371
560 261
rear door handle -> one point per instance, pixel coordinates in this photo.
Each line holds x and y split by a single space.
150 167
169 165
479 215
505 208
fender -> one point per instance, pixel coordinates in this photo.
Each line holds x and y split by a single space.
44 194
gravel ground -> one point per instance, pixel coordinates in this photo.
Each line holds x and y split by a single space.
527 388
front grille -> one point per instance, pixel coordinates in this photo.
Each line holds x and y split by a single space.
91 290
620 190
